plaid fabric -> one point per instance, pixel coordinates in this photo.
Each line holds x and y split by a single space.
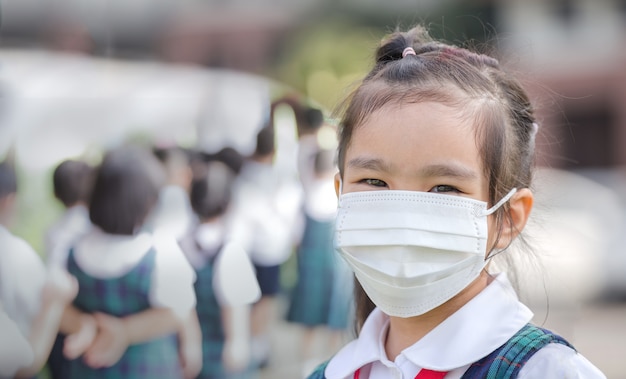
210 317
507 361
311 298
123 296
210 323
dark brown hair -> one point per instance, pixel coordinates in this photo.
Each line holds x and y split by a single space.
72 182
211 191
473 83
126 188
8 179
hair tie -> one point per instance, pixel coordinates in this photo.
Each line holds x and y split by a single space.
408 51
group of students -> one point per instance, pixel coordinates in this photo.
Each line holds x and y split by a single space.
435 158
166 262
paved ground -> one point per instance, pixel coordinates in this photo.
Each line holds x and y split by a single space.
597 330
599 333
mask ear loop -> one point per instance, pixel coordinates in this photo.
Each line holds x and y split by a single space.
489 211
506 198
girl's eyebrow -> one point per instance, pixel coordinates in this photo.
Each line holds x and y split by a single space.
374 164
448 170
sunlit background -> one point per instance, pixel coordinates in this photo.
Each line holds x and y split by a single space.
80 76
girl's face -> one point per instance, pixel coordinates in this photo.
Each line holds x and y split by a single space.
416 147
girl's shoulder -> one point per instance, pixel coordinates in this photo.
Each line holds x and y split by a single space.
513 355
559 361
535 352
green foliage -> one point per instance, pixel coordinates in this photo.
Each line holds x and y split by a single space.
323 60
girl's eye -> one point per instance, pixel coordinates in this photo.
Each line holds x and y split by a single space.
374 182
444 188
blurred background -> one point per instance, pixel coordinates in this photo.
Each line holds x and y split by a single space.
80 76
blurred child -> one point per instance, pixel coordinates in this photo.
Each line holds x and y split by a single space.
263 221
32 299
316 302
309 124
15 351
173 217
137 287
173 213
72 181
225 285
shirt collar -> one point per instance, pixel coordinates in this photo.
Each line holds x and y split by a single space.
482 325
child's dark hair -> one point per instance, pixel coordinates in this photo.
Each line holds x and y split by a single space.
172 155
474 84
324 161
72 181
8 179
314 119
265 144
126 187
228 155
211 192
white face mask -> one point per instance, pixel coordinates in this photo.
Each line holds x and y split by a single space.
412 251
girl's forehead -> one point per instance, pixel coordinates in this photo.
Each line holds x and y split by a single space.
427 112
429 125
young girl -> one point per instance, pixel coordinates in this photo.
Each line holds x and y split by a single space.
316 302
72 186
32 299
223 309
435 157
264 220
136 287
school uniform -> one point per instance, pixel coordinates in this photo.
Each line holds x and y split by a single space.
22 277
60 236
15 351
172 213
202 248
264 220
125 275
314 301
481 326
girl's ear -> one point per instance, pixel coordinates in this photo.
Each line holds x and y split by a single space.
337 184
520 206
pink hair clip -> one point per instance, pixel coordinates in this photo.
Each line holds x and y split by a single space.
408 51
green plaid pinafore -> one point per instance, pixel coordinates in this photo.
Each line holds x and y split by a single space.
120 297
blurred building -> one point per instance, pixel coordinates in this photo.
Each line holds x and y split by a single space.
575 52
574 49
241 34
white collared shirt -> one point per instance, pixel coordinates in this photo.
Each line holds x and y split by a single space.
15 351
474 331
73 224
264 214
22 277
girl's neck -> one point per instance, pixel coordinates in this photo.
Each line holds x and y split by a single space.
404 332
